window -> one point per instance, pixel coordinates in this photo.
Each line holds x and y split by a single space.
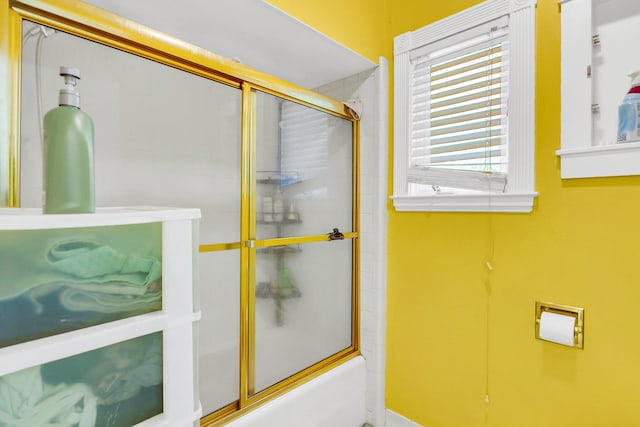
464 131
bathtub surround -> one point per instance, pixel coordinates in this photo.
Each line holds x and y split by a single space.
334 399
370 87
224 203
365 374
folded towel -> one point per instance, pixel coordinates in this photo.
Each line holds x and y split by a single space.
89 262
77 299
100 279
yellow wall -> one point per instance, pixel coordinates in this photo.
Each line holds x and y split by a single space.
357 24
456 331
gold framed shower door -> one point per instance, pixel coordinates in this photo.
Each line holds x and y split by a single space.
91 23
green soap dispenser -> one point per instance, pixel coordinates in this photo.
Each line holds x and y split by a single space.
68 178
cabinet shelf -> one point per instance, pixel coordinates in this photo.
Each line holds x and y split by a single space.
279 250
283 222
601 161
281 178
284 287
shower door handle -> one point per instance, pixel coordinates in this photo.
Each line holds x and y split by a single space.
335 235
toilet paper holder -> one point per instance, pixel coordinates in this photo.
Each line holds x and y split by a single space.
565 310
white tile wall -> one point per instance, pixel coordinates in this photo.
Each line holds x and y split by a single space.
371 88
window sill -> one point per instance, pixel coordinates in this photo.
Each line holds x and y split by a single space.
602 160
517 203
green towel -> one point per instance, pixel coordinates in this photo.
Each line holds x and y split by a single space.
98 278
142 357
90 262
26 402
125 254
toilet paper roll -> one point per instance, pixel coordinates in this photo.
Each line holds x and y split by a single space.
557 328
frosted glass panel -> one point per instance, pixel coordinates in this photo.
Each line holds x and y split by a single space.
304 166
163 137
219 328
303 308
59 280
119 385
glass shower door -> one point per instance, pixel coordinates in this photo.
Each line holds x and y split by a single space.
275 179
163 137
303 272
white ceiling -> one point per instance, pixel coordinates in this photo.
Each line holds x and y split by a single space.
253 31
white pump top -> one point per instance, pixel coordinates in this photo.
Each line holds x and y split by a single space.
69 95
635 78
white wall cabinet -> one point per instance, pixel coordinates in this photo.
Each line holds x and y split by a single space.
98 316
598 52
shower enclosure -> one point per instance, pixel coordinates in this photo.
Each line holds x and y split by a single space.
273 168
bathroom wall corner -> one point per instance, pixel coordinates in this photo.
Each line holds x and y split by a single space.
371 87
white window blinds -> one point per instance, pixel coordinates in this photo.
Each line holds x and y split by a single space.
304 140
458 129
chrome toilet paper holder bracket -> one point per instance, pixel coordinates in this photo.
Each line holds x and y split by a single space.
565 310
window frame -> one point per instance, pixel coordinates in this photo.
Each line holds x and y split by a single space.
519 193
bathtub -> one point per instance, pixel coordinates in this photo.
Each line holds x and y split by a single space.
336 399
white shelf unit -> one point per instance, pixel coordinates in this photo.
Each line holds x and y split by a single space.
176 321
597 56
